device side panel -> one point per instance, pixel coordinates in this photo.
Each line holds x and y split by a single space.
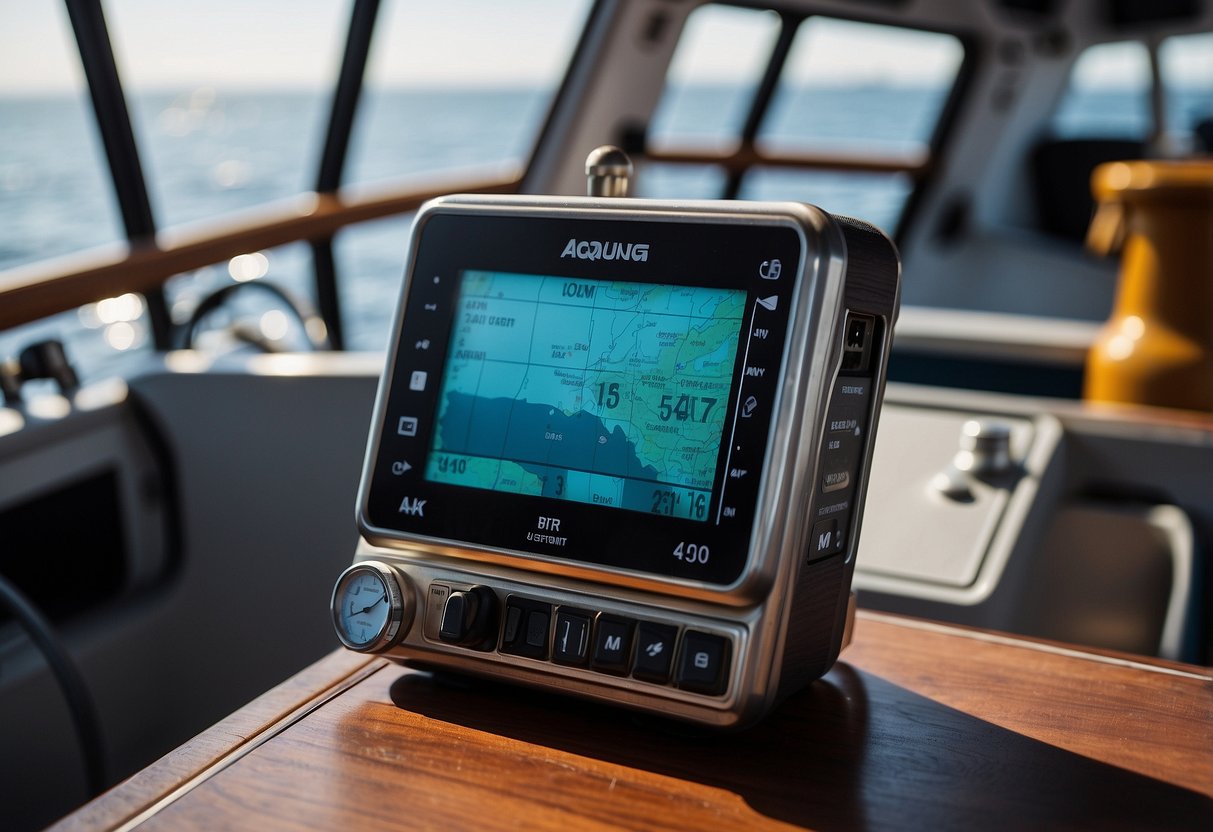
873 269
819 600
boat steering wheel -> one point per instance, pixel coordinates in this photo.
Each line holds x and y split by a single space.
311 324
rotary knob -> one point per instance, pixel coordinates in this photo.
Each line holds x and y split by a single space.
985 449
984 455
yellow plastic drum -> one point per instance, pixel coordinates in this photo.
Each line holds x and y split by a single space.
1157 348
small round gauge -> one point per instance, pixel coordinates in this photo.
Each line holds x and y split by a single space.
368 607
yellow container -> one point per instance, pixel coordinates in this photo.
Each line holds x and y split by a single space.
1157 348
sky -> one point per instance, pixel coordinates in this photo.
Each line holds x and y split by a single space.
232 44
293 43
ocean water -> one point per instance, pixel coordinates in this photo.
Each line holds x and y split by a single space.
208 154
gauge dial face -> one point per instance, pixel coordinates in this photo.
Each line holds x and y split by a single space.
363 607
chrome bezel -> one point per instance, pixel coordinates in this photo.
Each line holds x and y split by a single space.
397 601
815 315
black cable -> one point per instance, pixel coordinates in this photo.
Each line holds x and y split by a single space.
71 682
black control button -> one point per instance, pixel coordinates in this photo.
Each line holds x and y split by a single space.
469 618
406 426
827 538
612 644
513 617
457 617
654 651
537 629
571 644
703 662
526 628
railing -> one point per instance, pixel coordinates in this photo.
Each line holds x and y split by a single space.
40 289
151 256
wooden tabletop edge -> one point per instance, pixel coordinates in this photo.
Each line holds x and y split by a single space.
127 803
1144 663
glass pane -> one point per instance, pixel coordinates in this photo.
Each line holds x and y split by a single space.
229 104
449 85
715 70
861 87
458 84
1108 94
1187 75
877 198
371 258
55 192
679 181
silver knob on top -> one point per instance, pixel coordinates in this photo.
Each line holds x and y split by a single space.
608 172
985 448
984 455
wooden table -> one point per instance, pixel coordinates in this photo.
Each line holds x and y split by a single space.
921 726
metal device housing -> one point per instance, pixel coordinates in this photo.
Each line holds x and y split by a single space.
785 615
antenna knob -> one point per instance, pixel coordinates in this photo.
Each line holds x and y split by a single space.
608 172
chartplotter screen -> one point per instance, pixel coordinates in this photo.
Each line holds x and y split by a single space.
601 392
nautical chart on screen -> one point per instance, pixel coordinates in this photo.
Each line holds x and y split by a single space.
600 392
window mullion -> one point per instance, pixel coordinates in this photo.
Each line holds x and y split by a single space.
788 26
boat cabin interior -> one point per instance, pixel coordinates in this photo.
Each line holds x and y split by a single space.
199 275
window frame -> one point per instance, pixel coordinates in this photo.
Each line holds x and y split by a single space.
47 288
746 154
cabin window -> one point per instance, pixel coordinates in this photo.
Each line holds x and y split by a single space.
228 106
861 88
1186 64
1108 94
682 181
835 112
873 197
370 257
715 71
457 84
856 89
54 194
228 110
1106 114
449 86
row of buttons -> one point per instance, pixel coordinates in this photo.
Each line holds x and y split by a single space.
614 644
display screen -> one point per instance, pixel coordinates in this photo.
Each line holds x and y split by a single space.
545 400
607 393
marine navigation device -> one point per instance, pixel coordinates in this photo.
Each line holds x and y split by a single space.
620 448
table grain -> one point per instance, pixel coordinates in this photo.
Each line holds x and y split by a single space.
919 726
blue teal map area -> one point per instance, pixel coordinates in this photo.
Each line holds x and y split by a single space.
599 392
